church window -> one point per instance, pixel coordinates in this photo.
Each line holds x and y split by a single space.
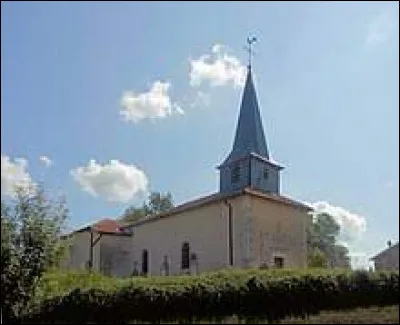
185 256
145 262
265 173
235 174
279 262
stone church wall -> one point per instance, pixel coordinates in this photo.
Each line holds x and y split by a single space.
279 231
205 228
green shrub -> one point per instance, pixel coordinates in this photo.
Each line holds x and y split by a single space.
31 225
250 295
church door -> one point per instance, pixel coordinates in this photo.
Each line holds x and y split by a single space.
145 262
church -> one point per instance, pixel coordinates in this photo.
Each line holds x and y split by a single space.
247 223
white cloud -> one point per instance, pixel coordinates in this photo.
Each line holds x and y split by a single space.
352 226
14 175
217 68
45 160
380 28
156 103
115 181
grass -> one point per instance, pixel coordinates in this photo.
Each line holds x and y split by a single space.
373 315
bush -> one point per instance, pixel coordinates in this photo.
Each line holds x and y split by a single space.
31 225
249 295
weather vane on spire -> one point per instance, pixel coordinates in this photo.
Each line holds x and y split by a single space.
248 48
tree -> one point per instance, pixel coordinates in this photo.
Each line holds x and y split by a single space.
160 203
157 203
341 256
316 258
133 214
31 227
322 240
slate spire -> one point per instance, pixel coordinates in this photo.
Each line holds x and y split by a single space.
248 164
249 136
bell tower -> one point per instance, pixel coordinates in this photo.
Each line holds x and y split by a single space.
248 165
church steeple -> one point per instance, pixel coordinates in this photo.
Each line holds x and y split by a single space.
249 136
248 164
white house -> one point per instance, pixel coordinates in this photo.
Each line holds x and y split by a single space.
102 247
388 259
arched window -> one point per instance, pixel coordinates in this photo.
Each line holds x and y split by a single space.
145 262
185 256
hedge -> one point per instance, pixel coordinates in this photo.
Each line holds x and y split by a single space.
254 296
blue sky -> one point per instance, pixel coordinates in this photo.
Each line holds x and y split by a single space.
327 77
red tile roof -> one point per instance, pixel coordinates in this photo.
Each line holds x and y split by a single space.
107 226
104 226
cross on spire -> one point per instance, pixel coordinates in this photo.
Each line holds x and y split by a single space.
248 48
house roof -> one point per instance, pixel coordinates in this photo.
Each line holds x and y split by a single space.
105 226
385 251
220 197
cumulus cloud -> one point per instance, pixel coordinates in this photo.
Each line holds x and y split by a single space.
14 175
115 181
352 226
380 28
153 104
45 160
218 69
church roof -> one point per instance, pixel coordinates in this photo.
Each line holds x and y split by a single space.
249 136
216 197
278 198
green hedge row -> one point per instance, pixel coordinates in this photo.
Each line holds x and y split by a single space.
258 296
59 283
